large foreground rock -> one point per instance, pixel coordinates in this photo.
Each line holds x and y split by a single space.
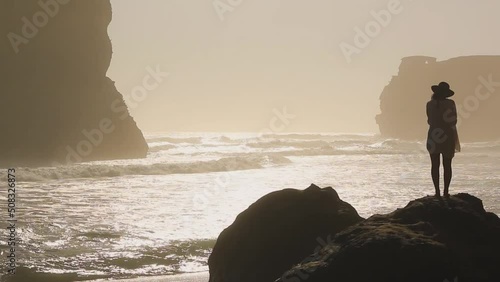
430 240
278 231
55 95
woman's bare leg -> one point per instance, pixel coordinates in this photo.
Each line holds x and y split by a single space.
448 174
436 162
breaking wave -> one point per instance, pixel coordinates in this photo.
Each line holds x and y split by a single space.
174 140
191 155
105 170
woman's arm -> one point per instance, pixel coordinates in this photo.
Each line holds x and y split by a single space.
455 114
451 116
428 115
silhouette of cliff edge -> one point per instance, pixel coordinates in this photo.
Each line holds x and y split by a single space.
475 80
57 104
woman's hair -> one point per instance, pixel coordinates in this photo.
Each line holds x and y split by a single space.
436 96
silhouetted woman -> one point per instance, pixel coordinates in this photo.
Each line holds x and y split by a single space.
442 138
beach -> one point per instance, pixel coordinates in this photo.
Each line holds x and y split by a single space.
195 277
161 215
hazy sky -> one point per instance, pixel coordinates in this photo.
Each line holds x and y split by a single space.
269 54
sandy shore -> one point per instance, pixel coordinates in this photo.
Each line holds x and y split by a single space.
195 277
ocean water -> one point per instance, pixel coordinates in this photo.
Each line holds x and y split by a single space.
161 215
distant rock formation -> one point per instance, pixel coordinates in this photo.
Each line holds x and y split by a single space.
57 104
431 239
278 231
475 80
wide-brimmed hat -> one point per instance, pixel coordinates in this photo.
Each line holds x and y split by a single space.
443 89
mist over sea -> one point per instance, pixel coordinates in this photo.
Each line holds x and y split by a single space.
161 215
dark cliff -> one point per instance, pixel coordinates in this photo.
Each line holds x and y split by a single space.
475 80
57 104
431 239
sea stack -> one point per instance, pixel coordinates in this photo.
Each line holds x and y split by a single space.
58 106
475 80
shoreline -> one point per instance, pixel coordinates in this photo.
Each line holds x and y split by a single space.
191 277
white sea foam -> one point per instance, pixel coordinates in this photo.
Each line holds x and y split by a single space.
186 155
109 170
125 218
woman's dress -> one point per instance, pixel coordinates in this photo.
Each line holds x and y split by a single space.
442 137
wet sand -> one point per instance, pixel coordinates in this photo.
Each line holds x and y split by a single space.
195 277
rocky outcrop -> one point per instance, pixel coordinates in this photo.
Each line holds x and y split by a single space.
278 231
57 102
431 239
475 80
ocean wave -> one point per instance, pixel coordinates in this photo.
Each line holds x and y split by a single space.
226 139
322 144
177 140
175 257
339 152
398 145
293 147
289 143
482 146
318 136
161 147
104 170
